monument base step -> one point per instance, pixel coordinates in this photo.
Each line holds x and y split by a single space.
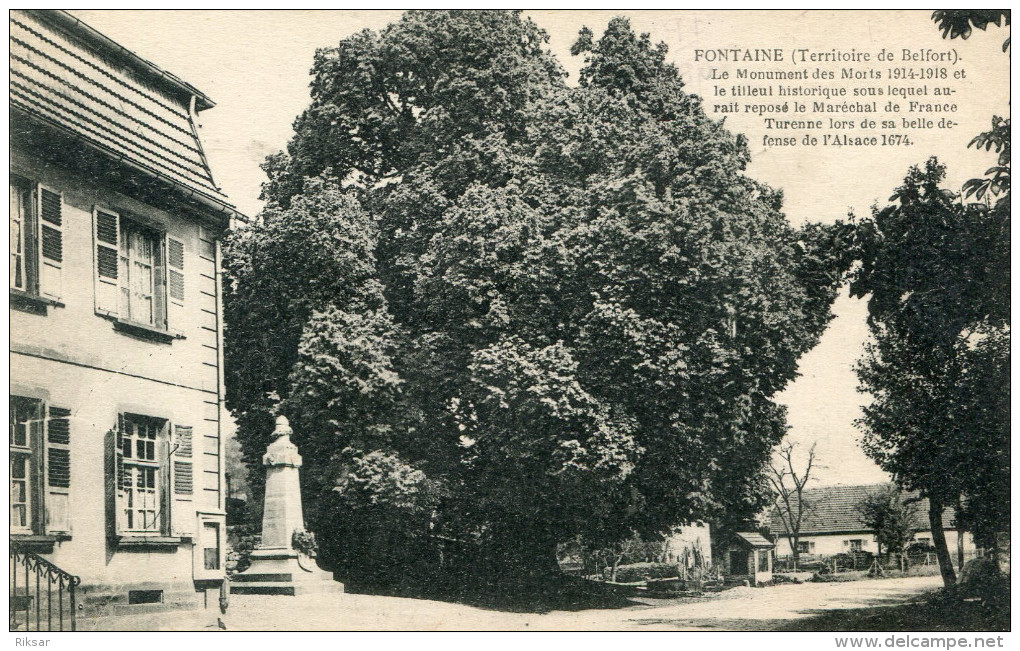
290 588
276 572
246 577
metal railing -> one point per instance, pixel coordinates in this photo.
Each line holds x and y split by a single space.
42 594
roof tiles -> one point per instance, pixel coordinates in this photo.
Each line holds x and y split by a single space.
833 509
74 85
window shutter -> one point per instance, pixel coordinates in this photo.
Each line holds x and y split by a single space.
51 242
106 235
119 476
183 481
58 471
175 280
114 474
166 499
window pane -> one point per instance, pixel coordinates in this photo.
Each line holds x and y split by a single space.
19 515
17 263
143 248
18 207
16 234
124 307
18 466
211 546
17 492
19 434
17 278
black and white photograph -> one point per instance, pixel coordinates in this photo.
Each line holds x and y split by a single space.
510 320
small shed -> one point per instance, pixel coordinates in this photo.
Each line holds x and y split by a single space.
749 554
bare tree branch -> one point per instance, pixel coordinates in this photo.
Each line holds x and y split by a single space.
789 486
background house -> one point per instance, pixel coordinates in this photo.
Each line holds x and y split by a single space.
832 524
116 444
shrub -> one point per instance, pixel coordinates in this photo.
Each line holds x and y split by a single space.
642 572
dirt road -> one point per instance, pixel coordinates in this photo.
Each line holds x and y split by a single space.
736 609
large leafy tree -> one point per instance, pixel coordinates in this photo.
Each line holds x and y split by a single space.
938 362
936 271
568 309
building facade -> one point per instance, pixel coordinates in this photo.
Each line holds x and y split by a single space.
832 524
116 446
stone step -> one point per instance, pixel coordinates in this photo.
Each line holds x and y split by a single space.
118 610
268 577
254 587
287 589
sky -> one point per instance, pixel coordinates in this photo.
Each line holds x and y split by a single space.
254 65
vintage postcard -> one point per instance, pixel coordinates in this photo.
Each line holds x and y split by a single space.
534 320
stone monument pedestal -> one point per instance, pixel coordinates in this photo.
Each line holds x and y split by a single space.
276 567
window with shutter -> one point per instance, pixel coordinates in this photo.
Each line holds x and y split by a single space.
37 239
141 476
132 275
40 467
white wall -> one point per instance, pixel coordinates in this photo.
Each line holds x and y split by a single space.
830 544
73 358
694 536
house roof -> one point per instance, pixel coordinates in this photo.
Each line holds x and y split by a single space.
833 509
754 539
68 76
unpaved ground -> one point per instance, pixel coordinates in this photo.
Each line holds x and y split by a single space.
736 609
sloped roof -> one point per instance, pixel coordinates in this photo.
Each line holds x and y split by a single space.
833 509
66 75
755 539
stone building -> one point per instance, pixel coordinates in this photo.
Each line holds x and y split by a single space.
116 440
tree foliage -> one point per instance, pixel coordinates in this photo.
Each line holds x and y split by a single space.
937 273
887 513
961 22
567 308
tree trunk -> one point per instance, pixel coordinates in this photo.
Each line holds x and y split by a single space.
795 551
616 565
959 548
938 538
